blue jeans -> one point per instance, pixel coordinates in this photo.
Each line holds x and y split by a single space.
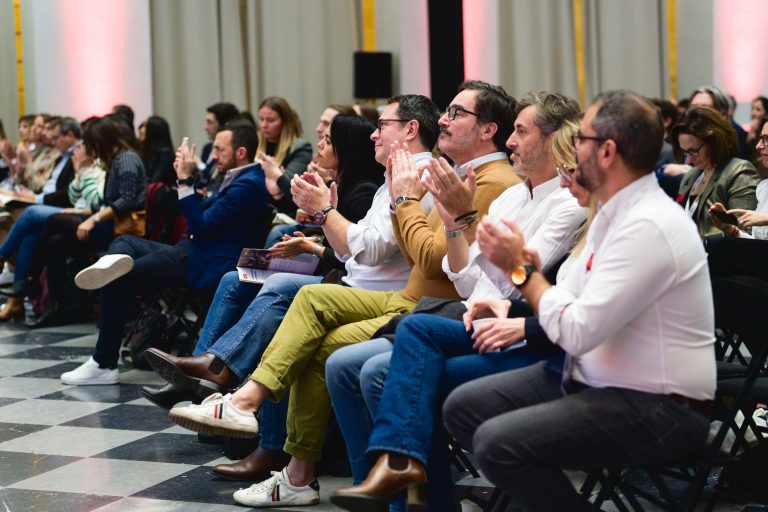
523 430
432 355
343 378
276 233
24 238
241 322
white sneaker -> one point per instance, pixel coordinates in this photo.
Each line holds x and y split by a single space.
217 416
104 271
6 276
277 491
89 374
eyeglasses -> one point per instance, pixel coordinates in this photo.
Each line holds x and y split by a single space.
576 138
455 109
380 122
763 139
565 173
694 152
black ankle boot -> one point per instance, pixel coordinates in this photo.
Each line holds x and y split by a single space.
51 317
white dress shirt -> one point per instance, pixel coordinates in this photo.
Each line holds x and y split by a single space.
375 261
548 215
759 232
637 311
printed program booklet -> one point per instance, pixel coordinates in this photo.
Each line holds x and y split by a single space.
256 265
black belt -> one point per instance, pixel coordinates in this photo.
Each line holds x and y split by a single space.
701 406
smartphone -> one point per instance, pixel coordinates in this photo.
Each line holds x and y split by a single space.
728 218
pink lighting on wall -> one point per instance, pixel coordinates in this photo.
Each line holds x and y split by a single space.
90 55
741 47
93 49
481 40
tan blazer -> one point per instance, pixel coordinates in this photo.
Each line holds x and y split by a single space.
733 185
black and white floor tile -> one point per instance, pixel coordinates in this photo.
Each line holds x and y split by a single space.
104 448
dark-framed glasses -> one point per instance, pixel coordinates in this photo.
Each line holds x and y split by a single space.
763 139
455 109
694 152
380 122
577 138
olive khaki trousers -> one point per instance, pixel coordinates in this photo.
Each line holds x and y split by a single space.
322 319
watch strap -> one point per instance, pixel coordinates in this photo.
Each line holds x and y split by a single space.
402 199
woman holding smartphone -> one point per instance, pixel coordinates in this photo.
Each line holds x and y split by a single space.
708 142
756 219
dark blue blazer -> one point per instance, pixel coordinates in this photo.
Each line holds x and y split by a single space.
220 226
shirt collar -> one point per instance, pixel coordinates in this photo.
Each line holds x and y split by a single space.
421 159
627 196
541 191
231 174
461 170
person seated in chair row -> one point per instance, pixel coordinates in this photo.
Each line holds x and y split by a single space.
219 228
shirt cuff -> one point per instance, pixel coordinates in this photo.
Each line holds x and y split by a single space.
355 239
185 191
39 198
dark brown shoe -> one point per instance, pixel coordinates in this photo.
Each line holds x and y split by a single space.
204 374
255 467
387 481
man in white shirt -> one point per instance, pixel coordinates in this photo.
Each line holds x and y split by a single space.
637 329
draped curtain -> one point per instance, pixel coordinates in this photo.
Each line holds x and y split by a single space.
242 51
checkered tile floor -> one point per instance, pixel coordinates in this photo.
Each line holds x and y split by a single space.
104 448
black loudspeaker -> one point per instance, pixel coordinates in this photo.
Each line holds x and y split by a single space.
373 75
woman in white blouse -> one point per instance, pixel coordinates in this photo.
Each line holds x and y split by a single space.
756 219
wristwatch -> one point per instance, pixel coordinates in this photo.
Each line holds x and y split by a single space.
186 181
520 275
320 215
402 199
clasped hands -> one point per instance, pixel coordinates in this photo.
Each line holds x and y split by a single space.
311 194
504 246
292 246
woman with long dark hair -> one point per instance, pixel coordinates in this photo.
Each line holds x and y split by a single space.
124 194
157 152
357 177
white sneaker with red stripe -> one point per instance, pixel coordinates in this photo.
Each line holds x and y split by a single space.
216 415
277 491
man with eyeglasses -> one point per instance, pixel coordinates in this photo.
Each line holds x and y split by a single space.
550 216
639 373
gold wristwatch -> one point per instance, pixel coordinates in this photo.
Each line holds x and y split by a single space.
520 275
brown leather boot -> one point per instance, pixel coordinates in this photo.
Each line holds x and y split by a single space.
13 308
204 374
390 476
255 467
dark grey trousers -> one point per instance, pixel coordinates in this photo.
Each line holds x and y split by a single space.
524 431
